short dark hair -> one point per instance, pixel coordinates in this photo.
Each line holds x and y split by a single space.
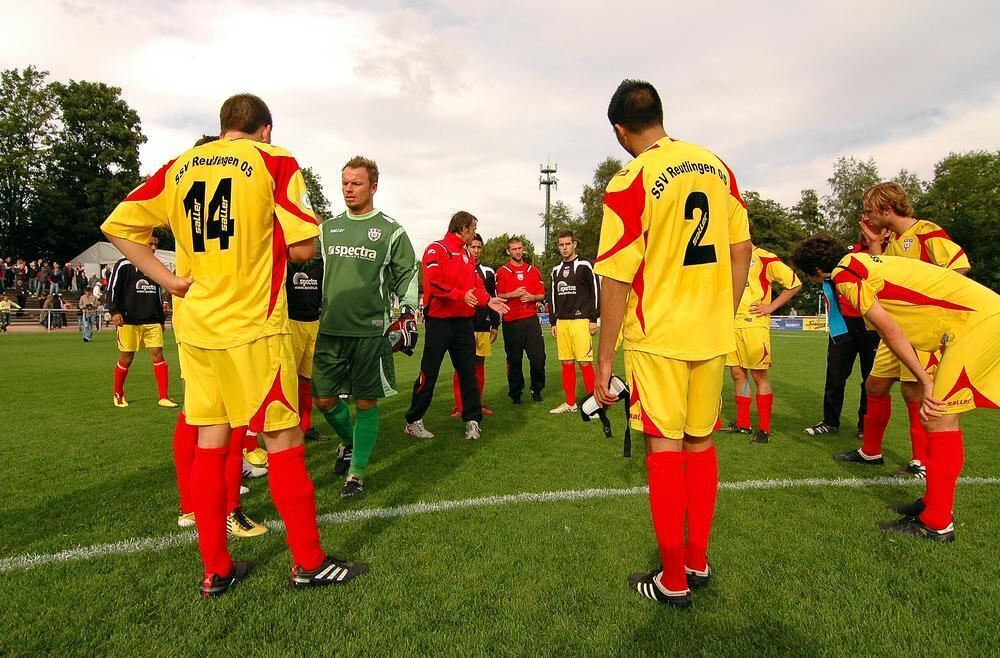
635 106
512 239
817 253
479 238
206 139
244 113
461 221
361 162
566 233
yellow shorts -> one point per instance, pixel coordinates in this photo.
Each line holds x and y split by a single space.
303 341
887 366
252 384
671 398
753 348
133 337
573 340
484 346
969 374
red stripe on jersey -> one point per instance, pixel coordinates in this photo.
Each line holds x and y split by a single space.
279 263
276 394
764 283
895 292
980 400
925 255
961 252
734 189
649 428
153 186
639 286
281 168
628 204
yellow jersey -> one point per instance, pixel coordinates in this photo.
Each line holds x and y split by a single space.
669 218
930 243
765 269
933 305
233 206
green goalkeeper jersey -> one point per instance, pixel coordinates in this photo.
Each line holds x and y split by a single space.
368 261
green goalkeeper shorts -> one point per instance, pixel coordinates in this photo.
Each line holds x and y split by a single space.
351 365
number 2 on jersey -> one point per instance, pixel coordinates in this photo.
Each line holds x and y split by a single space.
696 252
216 223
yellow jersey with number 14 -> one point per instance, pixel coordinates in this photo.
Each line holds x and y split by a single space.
765 269
669 218
233 207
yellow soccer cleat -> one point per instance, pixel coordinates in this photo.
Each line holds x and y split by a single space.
185 520
120 401
256 457
167 403
239 524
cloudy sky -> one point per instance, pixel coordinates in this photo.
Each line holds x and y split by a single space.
459 101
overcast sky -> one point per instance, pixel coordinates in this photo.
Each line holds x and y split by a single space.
459 101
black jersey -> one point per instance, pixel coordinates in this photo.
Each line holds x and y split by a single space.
134 295
486 318
574 293
302 287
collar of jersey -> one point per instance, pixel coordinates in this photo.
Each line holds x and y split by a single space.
359 218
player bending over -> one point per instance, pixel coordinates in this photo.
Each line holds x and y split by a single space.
919 306
238 209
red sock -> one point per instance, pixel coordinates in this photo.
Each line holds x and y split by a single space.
918 435
121 372
569 383
234 468
587 370
743 410
250 440
876 420
668 504
305 405
945 456
162 378
481 377
765 402
185 440
209 488
295 500
701 479
458 392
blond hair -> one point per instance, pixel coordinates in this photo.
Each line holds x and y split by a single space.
888 196
361 162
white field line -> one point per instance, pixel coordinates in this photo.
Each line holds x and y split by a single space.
153 544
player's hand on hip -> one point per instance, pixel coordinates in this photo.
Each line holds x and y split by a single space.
500 307
593 328
759 309
178 286
470 298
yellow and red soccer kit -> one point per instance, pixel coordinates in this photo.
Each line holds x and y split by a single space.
670 217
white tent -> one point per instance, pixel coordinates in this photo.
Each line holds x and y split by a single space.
105 253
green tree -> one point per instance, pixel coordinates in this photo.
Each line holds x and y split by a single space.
317 197
963 199
848 183
911 183
773 226
495 250
588 233
27 127
93 164
806 213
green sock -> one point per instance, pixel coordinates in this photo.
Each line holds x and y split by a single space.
339 418
365 433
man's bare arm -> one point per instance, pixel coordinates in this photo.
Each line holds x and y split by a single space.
142 257
614 299
303 251
739 257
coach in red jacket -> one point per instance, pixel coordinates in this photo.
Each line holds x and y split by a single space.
452 291
520 284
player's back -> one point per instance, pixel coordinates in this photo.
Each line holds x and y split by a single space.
233 207
679 210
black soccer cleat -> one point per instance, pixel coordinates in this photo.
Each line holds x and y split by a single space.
698 579
733 428
312 434
536 396
353 488
821 428
855 457
516 400
645 585
762 437
331 572
909 510
343 462
214 585
913 470
915 528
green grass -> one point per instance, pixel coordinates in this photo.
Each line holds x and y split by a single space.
799 571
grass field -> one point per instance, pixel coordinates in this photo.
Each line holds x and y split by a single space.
801 569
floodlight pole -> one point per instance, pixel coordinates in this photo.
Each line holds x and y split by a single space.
549 181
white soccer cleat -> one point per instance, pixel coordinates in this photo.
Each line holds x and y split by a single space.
472 431
564 409
417 430
251 471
